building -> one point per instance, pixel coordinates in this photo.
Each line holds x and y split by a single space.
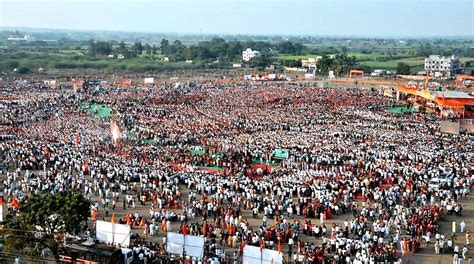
25 37
310 62
438 66
248 54
380 73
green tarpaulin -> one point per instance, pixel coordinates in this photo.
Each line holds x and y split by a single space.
282 153
151 142
198 152
401 110
104 112
97 109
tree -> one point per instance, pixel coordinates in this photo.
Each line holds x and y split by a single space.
62 212
24 70
325 63
292 63
137 49
147 48
403 68
259 61
165 47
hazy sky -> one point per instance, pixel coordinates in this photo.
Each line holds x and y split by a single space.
284 17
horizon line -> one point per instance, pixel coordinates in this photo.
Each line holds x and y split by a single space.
5 28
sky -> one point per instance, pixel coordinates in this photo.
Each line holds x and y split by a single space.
369 18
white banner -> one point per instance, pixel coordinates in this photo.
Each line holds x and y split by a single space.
193 245
104 231
113 233
253 254
174 243
122 235
149 80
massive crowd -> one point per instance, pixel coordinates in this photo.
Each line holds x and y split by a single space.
201 159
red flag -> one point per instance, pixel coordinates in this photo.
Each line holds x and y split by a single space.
280 246
262 244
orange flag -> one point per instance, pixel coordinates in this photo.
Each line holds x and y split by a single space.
204 228
94 214
112 220
184 230
142 223
280 247
15 203
128 220
163 225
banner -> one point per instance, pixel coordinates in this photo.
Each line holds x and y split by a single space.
122 235
104 231
254 254
149 80
126 82
388 92
193 246
113 233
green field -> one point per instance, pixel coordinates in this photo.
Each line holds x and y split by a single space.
379 61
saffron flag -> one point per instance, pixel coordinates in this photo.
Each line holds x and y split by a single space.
184 230
114 129
15 204
112 220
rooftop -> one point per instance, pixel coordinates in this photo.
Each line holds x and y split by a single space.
453 94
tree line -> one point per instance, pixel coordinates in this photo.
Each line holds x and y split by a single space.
219 49
104 48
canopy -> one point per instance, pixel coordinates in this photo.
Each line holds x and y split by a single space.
282 153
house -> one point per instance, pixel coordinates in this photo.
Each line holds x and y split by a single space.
165 59
310 62
120 56
439 66
236 65
189 61
110 56
248 54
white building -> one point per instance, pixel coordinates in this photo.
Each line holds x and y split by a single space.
25 37
310 62
248 54
439 66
